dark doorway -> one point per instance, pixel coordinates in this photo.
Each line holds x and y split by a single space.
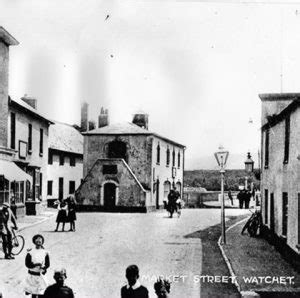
117 149
272 219
157 194
109 195
60 188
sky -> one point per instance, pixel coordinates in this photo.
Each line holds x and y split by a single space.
196 67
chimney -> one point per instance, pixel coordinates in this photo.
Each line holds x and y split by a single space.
30 101
6 40
103 118
141 119
84 116
92 125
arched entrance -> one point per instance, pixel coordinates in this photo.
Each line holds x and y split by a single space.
178 187
117 149
110 195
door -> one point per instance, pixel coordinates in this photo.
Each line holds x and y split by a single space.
157 194
109 195
60 188
272 210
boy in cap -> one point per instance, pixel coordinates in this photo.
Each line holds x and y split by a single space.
59 289
133 289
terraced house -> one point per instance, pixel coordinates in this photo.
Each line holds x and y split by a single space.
280 182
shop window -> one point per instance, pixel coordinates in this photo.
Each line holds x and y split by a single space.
4 190
17 191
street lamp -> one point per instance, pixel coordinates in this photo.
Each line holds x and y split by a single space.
249 166
221 157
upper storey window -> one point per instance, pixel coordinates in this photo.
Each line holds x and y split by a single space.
287 140
173 158
158 154
267 141
168 156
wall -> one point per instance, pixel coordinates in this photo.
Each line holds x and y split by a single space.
34 159
162 171
280 177
138 151
69 173
129 193
4 60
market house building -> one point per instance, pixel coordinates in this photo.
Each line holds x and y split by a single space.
23 142
280 159
65 161
127 167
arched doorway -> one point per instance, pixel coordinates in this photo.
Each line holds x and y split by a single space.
117 149
167 188
109 195
178 187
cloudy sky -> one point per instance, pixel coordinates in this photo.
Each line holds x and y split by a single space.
196 67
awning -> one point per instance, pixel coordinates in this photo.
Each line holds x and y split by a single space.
12 172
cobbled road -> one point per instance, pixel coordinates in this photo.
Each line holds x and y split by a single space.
104 244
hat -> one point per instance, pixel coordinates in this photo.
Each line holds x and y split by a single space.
38 236
61 271
6 205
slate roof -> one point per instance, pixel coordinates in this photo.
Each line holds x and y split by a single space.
127 128
20 104
64 137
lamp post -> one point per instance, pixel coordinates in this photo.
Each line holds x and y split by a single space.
221 157
249 166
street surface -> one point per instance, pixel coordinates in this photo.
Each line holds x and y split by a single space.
104 244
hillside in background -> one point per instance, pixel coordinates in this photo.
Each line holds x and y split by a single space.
235 161
211 180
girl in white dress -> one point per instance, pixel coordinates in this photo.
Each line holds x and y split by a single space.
37 261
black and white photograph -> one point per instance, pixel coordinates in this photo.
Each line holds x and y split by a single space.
149 148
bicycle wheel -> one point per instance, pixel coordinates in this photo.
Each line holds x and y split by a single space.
18 243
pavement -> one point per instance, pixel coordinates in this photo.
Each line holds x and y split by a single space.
259 269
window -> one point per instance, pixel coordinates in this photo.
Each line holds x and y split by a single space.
287 140
41 141
17 191
50 158
178 160
266 206
284 213
29 138
61 160
168 156
4 190
298 218
41 183
72 161
158 154
173 158
12 130
267 140
49 188
71 187
110 169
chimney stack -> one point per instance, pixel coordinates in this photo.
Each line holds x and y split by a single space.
141 119
6 40
30 101
84 116
103 118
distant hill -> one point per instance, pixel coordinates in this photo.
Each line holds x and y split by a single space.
210 179
235 161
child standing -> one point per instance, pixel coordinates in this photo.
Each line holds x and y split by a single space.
37 261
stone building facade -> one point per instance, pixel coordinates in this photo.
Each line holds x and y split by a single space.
128 167
65 161
280 159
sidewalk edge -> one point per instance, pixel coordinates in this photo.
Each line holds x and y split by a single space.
227 260
36 223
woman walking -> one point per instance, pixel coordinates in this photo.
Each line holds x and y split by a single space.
37 261
61 215
71 212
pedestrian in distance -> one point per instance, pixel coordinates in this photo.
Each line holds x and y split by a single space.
241 198
13 206
7 223
37 261
59 289
133 289
247 196
62 208
162 288
71 212
230 197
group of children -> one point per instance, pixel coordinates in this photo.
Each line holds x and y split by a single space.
66 213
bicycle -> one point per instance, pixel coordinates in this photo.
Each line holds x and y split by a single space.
18 243
253 224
